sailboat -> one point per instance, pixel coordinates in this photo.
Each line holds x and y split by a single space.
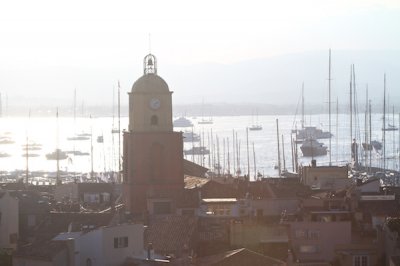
100 139
57 155
81 136
182 122
255 126
307 132
203 120
390 127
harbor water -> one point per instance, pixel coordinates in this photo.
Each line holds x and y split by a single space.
226 138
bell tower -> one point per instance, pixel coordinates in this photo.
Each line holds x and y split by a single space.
152 151
150 101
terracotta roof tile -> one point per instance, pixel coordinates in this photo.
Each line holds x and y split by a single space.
171 234
239 257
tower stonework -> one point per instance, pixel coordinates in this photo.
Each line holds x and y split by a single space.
152 151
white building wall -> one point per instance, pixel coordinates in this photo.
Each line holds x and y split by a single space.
116 256
98 245
91 248
9 221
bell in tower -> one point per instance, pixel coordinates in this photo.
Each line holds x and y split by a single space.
150 64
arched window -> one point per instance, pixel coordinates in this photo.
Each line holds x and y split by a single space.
154 120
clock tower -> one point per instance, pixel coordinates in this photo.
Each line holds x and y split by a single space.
152 151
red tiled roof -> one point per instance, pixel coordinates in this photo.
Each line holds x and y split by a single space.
171 234
239 257
192 182
44 250
61 222
191 168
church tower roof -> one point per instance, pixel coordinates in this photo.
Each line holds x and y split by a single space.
150 82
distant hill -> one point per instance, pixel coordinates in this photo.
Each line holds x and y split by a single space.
278 80
269 82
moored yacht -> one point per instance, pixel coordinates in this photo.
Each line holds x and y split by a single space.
182 122
311 147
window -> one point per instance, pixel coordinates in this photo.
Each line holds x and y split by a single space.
154 120
308 249
121 242
313 234
361 260
300 233
307 234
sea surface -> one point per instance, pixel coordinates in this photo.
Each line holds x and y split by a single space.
227 139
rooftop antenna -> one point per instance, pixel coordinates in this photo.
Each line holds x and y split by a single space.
149 43
150 62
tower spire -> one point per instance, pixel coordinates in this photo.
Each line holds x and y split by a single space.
149 43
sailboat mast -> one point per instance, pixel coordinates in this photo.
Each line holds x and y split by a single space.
367 144
27 151
91 149
223 157
351 109
292 150
74 122
57 153
329 82
238 155
283 154
384 122
248 155
279 153
218 156
254 162
233 152
302 106
370 133
394 136
337 130
119 133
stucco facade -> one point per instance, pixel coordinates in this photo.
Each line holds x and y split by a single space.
107 246
316 241
9 221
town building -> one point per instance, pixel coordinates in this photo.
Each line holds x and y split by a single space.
9 221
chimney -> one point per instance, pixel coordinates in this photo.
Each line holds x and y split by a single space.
313 163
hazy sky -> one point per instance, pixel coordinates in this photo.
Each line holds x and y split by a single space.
108 34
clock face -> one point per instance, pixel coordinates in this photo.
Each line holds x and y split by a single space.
154 103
